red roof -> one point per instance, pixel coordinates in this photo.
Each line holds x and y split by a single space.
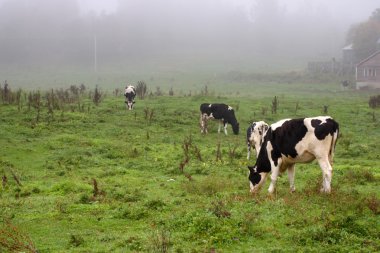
369 57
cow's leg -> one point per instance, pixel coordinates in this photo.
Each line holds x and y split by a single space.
291 173
225 128
219 127
273 177
326 174
203 123
205 120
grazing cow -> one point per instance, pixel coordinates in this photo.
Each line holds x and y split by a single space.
255 133
291 141
130 94
222 112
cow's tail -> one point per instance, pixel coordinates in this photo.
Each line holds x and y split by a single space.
333 143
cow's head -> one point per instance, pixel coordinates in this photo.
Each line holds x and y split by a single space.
256 179
235 128
130 104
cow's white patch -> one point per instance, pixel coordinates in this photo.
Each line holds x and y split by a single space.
129 89
307 121
230 108
278 124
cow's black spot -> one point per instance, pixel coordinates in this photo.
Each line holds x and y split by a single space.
262 162
130 96
249 132
285 138
324 129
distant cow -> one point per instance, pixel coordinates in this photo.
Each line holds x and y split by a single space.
293 141
222 112
255 134
130 94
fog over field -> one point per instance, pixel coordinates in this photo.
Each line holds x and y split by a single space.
261 35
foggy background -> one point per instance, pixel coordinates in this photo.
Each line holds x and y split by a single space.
178 35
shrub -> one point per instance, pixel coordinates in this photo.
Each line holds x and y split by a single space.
76 240
373 204
155 204
358 176
171 92
160 241
275 104
345 140
134 243
208 186
97 96
374 101
218 208
141 89
158 91
13 240
84 199
131 213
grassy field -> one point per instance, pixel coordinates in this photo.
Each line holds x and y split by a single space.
87 178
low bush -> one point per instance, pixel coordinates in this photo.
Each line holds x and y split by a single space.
374 101
12 239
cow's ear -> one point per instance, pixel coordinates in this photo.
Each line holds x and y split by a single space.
252 169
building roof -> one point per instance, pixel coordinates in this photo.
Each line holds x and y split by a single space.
369 57
350 47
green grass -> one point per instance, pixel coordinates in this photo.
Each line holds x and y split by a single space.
145 203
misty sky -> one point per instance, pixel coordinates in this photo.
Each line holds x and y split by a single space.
209 31
345 10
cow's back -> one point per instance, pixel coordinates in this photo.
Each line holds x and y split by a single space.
218 110
302 139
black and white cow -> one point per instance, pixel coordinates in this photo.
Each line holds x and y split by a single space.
255 134
291 141
130 94
222 112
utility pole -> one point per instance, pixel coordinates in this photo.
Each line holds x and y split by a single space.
95 55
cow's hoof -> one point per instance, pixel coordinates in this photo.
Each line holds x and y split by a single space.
326 191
